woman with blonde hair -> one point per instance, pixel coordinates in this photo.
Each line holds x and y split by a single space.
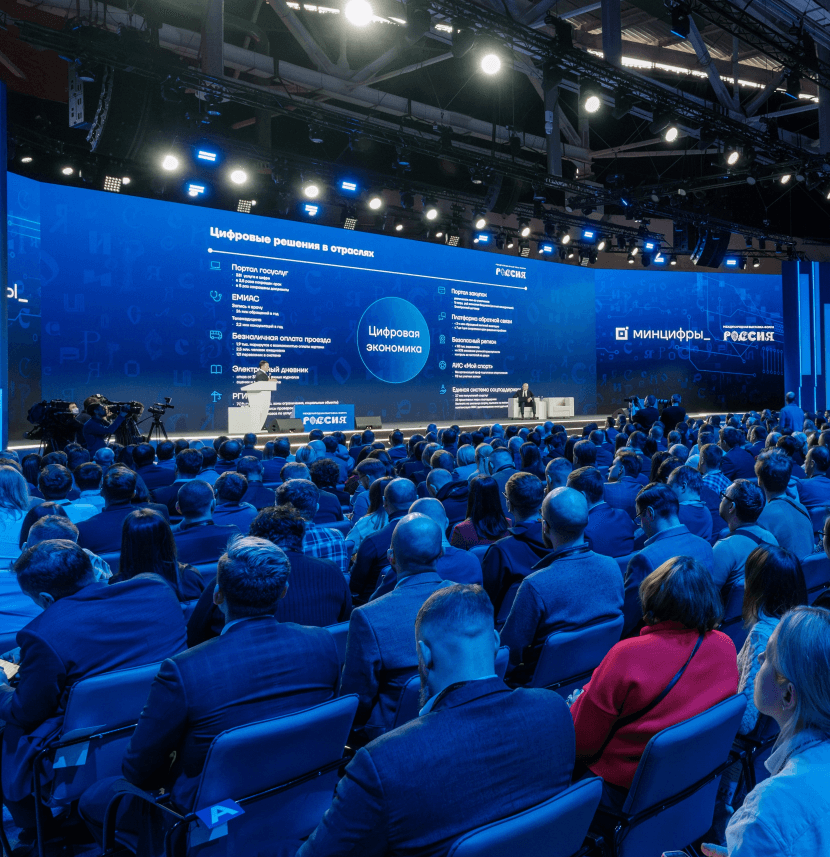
14 503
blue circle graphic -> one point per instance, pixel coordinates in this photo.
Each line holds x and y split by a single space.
393 340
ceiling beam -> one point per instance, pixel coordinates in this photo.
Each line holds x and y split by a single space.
719 87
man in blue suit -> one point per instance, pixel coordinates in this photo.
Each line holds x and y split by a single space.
610 530
380 656
465 762
274 668
622 487
658 509
86 628
737 463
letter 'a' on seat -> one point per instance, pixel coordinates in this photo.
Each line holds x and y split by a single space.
568 658
672 798
555 828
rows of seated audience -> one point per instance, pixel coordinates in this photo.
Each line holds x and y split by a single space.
263 581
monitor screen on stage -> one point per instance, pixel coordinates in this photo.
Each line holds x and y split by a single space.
139 299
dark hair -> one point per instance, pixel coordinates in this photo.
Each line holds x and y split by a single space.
194 497
76 458
249 464
637 440
588 481
143 455
324 473
630 462
282 447
300 493
119 483
711 455
748 499
52 527
55 458
789 444
484 508
732 437
280 525
166 450
30 467
376 490
682 590
462 609
148 547
230 487
660 497
371 468
209 457
249 440
820 458
367 437
773 469
686 477
181 444
667 468
525 491
774 583
230 450
88 476
42 510
252 576
54 482
584 453
656 460
57 566
189 462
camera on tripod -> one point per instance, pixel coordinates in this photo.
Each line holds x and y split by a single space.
134 409
158 409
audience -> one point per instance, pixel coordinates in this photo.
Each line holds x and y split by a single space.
14 504
783 516
610 531
154 475
230 510
189 464
736 463
687 484
453 494
199 539
256 494
622 487
485 522
814 491
54 484
375 518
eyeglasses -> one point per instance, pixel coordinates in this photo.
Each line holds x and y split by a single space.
725 496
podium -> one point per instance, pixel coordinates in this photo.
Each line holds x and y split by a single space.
251 418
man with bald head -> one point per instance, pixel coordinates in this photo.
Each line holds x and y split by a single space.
380 656
455 565
445 767
569 589
449 491
398 496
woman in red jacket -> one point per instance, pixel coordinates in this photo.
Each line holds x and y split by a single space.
678 662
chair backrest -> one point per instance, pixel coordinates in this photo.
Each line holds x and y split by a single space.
340 632
113 559
507 604
252 759
188 607
343 526
208 570
568 658
478 551
408 702
674 760
108 701
733 623
816 568
555 828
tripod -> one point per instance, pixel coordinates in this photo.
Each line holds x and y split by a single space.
157 430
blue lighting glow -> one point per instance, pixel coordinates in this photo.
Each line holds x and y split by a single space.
731 262
589 234
194 189
650 245
546 248
482 238
659 259
310 209
348 186
206 155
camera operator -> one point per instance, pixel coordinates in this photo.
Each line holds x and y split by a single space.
96 429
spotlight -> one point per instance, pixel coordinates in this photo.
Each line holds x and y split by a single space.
681 191
565 239
453 235
67 170
680 24
206 155
589 234
732 156
359 12
785 179
570 253
26 159
112 184
194 189
756 262
748 241
430 209
799 177
826 191
622 106
244 206
482 238
311 209
239 176
630 258
375 202
311 190
779 247
673 260
671 133
602 244
126 180
348 186
86 74
633 249
545 248
315 133
591 102
731 261
439 233
649 245
407 199
524 228
742 264
398 225
762 243
510 243
659 258
349 217
524 249
751 180
490 63
170 163
479 220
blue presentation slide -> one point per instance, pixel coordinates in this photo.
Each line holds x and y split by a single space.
139 299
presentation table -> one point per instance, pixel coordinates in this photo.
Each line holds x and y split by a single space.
251 418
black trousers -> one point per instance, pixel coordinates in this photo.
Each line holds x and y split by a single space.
524 403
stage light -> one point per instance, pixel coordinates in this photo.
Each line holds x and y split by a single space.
311 209
680 21
349 217
359 12
799 177
239 176
315 134
482 238
602 244
439 233
633 249
731 261
591 102
565 238
311 190
570 253
659 258
26 159
407 199
681 191
756 262
762 243
431 211
418 23
545 248
732 156
453 238
645 259
511 242
524 249
779 248
126 180
376 202
630 258
398 225
826 192
524 229
671 133
206 155
742 264
785 179
479 220
170 163
348 186
67 170
673 260
112 184
194 189
490 63
244 205
589 234
649 245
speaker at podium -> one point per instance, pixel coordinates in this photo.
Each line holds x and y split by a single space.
251 418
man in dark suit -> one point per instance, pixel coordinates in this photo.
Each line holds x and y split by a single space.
610 531
97 429
398 496
605 450
198 538
736 463
86 628
501 467
658 509
102 532
271 668
510 559
792 447
229 453
229 489
263 373
275 459
144 458
256 494
672 415
648 415
623 485
687 484
451 492
380 657
166 454
249 446
188 467
526 400
814 492
447 766
570 588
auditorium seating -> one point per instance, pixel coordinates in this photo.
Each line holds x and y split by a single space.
816 570
733 623
555 828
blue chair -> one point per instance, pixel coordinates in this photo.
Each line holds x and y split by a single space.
101 715
507 604
733 623
112 559
207 569
568 658
555 828
672 798
340 632
816 568
755 748
281 771
478 551
343 526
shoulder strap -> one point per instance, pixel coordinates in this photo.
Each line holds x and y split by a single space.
630 718
742 531
798 508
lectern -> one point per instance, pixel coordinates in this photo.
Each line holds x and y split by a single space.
243 420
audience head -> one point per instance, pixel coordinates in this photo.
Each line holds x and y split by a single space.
144 455
42 510
182 444
564 517
525 493
686 482
710 458
14 493
438 479
741 503
251 578
88 477
281 525
667 468
442 460
196 501
398 496
76 458
52 570
104 457
49 528
657 508
432 508
189 463
466 455
249 440
230 450
305 455
626 463
656 462
682 590
165 450
557 472
295 470
680 451
789 444
484 507
584 454
369 470
148 547
774 583
282 447
588 481
54 482
500 459
119 485
230 487
773 469
324 473
818 461
455 638
417 544
250 467
302 494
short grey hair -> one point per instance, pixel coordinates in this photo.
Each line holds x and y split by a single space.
252 574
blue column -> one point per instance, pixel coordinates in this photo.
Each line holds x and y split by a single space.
4 276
